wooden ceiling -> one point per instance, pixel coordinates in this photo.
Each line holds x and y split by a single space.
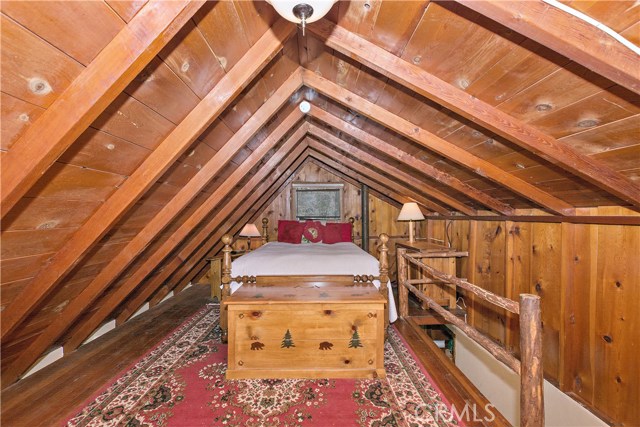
135 134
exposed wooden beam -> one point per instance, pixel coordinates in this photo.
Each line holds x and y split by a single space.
185 229
213 245
268 191
478 111
408 159
543 219
388 194
574 38
433 142
89 94
147 173
207 209
342 174
366 171
140 242
352 177
395 172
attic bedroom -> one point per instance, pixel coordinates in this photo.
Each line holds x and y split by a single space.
351 213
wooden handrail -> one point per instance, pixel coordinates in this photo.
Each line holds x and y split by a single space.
502 302
529 367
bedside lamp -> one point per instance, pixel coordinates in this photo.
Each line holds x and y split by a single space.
249 231
410 212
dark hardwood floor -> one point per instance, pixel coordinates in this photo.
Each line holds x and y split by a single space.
49 396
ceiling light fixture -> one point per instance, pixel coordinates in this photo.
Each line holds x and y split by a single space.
304 12
305 107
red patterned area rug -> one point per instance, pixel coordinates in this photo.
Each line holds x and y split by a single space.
181 382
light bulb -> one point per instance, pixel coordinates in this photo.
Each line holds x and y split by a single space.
305 107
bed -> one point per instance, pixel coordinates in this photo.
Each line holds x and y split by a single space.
341 262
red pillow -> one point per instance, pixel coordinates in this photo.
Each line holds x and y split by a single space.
336 232
290 231
312 232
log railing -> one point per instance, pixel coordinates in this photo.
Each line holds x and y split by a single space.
529 367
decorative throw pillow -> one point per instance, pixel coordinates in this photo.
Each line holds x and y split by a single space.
290 231
312 232
336 232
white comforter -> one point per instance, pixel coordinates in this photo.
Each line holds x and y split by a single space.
276 258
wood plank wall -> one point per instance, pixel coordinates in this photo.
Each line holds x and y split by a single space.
588 277
382 214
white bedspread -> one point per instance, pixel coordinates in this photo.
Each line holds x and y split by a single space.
277 258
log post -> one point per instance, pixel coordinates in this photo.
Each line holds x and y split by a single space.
384 275
531 371
403 292
352 221
226 288
265 230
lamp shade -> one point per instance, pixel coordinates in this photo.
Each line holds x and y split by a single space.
285 9
250 230
410 212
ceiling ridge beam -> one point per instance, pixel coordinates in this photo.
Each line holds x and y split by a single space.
365 170
89 94
141 273
160 159
568 35
434 143
410 160
383 166
180 278
520 133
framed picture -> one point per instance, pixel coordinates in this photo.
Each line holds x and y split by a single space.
317 201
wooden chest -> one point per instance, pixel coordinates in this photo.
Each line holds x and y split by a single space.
294 331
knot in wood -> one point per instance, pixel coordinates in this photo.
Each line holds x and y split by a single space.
39 86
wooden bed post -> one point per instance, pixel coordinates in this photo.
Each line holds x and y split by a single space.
226 289
352 221
384 275
531 371
265 230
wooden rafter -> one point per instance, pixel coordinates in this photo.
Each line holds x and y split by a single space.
574 38
410 160
365 170
397 173
116 298
347 174
433 142
179 202
147 173
476 110
204 212
213 246
180 277
352 178
89 94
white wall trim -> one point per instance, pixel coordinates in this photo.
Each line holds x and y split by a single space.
502 387
141 310
50 357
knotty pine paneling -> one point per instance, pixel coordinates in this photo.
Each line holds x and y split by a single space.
588 278
382 215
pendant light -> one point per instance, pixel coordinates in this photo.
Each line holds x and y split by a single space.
302 12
